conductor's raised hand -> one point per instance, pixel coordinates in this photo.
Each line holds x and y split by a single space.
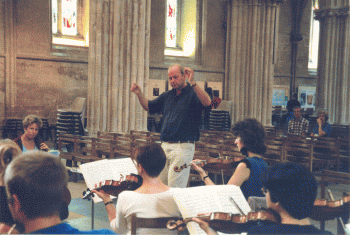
189 75
135 88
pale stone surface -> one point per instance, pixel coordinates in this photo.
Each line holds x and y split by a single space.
42 86
333 89
251 68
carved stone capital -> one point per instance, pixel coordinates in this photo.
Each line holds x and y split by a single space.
331 12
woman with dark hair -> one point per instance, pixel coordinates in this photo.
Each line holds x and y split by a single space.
251 142
153 199
30 139
290 190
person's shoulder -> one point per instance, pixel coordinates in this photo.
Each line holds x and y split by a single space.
98 231
285 229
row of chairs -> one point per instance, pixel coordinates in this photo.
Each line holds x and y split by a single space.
78 148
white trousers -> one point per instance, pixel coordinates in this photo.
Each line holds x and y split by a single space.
177 154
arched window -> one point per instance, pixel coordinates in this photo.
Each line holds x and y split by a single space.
314 40
68 25
182 27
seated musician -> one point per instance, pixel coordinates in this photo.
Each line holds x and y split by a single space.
35 184
8 151
153 199
30 139
290 190
322 128
250 141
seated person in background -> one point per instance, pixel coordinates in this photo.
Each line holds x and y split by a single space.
298 125
290 190
153 199
290 106
293 103
323 128
30 139
35 183
8 151
251 142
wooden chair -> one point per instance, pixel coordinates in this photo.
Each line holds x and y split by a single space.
154 223
105 143
298 150
274 150
66 140
85 149
326 153
338 178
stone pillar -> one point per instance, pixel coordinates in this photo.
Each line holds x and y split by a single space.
333 92
118 56
252 41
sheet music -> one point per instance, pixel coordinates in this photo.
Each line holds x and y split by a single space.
97 171
205 199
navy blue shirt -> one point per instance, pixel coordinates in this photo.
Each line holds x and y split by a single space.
64 228
252 187
285 229
181 114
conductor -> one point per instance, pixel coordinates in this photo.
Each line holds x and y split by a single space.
181 108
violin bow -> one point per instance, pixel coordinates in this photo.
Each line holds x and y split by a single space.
330 194
236 205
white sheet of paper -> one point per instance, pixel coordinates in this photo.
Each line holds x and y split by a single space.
107 169
205 199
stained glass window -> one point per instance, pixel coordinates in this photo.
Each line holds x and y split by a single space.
69 17
171 23
314 38
54 16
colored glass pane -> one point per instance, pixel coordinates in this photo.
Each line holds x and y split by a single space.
171 23
69 17
54 16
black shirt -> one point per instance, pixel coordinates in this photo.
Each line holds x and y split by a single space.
181 114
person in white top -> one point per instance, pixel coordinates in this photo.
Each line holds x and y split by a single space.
153 199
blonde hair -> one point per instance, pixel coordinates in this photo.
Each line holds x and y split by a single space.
8 151
323 112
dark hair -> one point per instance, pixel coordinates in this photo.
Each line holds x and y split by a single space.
294 186
296 107
39 180
252 134
152 158
294 95
30 119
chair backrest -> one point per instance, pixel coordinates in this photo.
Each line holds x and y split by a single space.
159 222
78 105
299 150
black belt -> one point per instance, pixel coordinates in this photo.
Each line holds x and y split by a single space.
180 141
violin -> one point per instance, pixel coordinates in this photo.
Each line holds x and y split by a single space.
213 164
115 187
232 222
329 209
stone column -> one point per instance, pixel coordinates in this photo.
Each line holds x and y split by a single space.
252 41
333 92
118 56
